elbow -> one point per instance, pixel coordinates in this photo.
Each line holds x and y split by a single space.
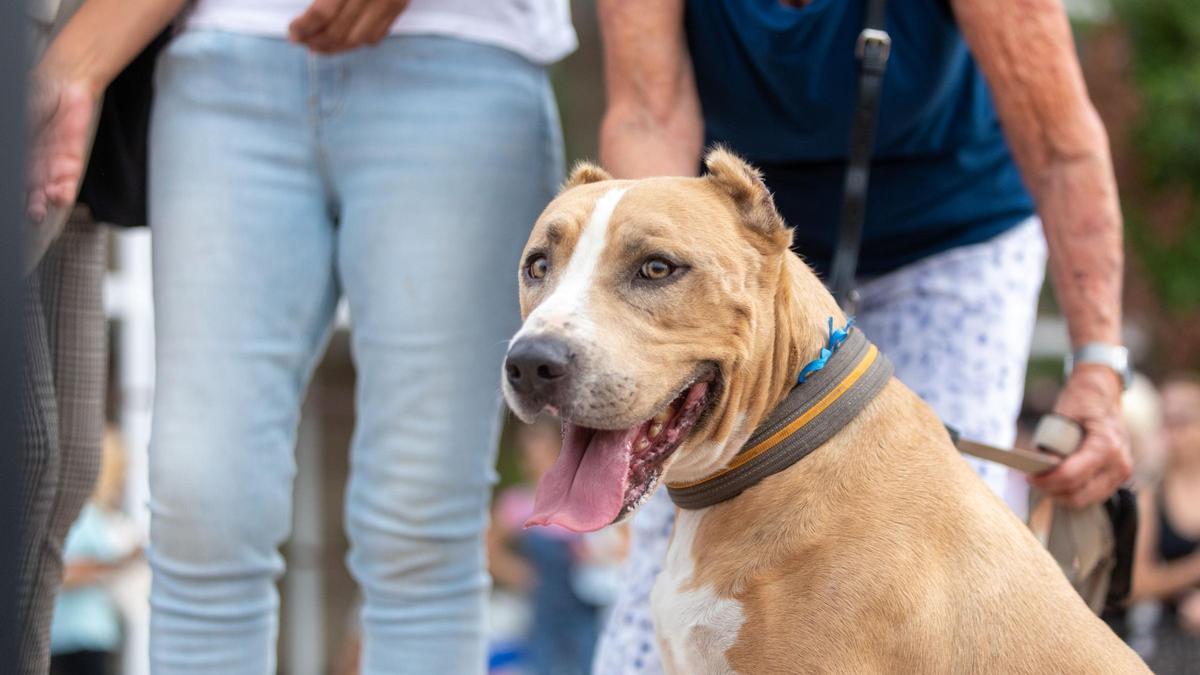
1137 595
1138 592
1086 143
1086 178
675 127
1058 152
663 117
1145 585
1081 142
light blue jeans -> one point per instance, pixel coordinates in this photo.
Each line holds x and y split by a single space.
406 177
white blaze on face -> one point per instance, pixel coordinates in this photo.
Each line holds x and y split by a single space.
569 299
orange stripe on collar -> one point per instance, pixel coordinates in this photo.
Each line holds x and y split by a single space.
797 423
811 414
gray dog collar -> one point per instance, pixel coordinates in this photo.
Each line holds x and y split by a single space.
810 415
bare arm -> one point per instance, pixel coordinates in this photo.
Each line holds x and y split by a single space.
104 36
1027 53
93 48
652 125
1153 578
506 567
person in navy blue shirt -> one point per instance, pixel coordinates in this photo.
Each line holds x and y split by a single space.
989 160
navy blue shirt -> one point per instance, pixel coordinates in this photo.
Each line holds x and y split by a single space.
778 85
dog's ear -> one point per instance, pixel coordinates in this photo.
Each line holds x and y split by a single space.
584 173
744 184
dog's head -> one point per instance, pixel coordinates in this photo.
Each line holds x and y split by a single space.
663 319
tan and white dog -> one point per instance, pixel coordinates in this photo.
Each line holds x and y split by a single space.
664 319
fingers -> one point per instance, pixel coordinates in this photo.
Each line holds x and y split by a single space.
51 187
335 35
63 181
1089 475
1074 472
372 26
1094 491
58 153
43 106
345 24
36 206
313 20
36 203
388 11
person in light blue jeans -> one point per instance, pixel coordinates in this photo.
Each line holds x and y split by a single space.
405 177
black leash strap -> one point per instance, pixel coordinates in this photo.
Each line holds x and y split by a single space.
873 48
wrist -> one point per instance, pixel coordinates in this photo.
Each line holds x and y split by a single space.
82 57
69 70
1101 323
1109 356
1098 378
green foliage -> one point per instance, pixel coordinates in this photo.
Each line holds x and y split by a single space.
1173 268
1165 40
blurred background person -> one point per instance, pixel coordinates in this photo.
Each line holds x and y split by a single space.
86 634
63 328
86 167
1141 410
1167 563
568 576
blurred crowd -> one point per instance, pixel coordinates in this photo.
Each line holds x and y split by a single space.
1161 620
568 579
104 577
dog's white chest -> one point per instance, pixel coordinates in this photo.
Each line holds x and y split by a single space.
694 627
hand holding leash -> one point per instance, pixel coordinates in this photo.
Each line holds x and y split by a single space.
1092 397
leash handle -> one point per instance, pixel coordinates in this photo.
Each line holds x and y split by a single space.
1058 434
1062 436
873 49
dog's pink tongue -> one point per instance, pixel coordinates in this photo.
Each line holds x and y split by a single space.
585 489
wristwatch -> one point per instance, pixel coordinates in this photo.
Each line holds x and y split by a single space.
1100 353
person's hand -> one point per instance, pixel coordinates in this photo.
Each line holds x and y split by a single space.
84 573
1189 613
1092 397
61 112
329 26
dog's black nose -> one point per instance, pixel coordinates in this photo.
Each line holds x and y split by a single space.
538 365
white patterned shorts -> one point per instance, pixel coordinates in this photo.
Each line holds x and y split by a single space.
957 327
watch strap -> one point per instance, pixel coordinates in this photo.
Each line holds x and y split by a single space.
1115 357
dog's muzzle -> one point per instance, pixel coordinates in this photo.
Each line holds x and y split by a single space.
539 369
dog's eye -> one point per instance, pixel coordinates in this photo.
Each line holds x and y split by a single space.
655 269
537 266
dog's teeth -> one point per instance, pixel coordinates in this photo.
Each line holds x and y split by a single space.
662 417
656 428
643 443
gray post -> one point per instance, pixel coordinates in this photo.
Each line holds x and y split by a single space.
12 154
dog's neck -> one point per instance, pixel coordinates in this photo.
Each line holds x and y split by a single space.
802 310
793 331
800 508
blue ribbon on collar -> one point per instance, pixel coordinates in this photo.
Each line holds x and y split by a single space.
836 338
